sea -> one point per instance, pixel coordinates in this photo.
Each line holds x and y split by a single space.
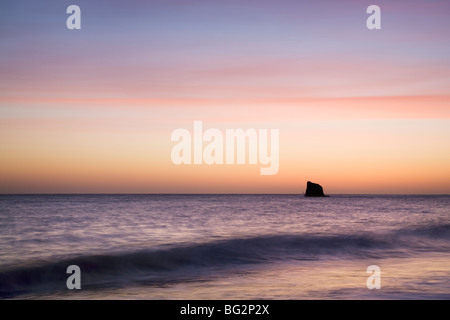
221 247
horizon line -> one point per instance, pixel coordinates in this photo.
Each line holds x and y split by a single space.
218 194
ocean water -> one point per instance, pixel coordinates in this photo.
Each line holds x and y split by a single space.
224 246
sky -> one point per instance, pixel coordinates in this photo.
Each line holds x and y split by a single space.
92 110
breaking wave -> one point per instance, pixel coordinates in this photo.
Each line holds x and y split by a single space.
191 261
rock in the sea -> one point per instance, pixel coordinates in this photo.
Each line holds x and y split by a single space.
314 190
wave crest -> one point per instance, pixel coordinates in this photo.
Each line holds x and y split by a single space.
185 262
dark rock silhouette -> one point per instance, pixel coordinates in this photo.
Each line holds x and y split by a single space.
314 190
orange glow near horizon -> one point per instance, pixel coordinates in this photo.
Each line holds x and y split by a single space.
331 141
